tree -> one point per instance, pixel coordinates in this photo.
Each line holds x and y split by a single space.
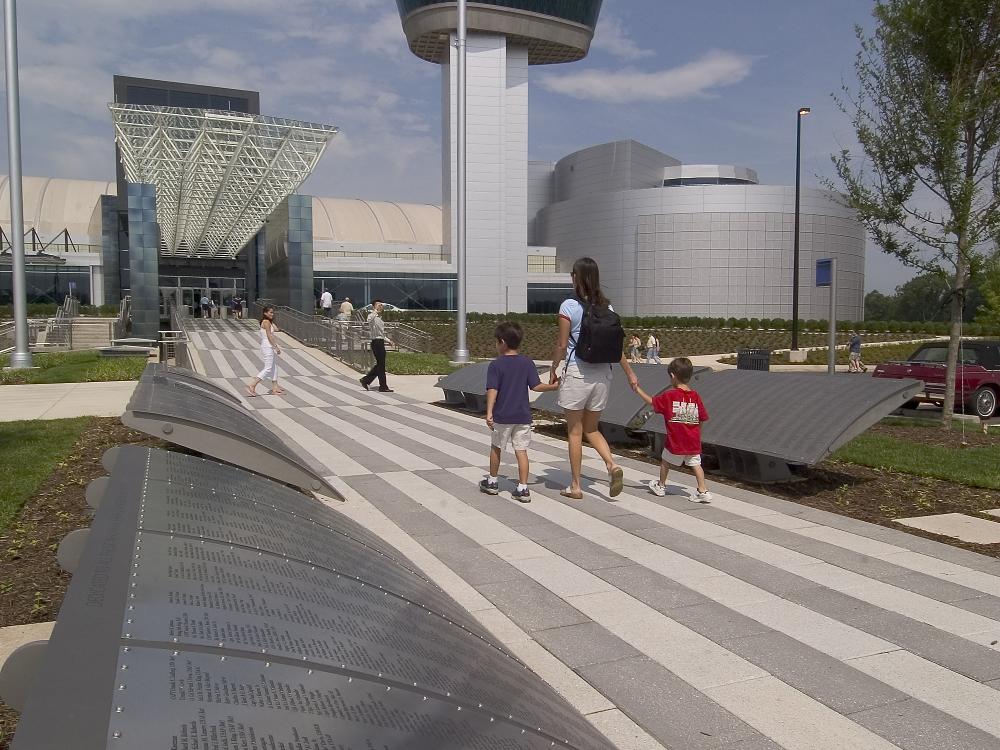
923 298
927 117
989 313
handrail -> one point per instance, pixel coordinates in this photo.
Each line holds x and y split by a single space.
121 325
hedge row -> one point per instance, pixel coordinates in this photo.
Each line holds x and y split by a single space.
48 310
739 324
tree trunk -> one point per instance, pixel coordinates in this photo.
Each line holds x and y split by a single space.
954 343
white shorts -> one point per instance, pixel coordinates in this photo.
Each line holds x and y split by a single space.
585 388
675 460
518 435
855 356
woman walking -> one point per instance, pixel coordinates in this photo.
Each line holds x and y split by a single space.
634 344
269 350
583 393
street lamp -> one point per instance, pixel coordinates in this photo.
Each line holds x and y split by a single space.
803 111
461 354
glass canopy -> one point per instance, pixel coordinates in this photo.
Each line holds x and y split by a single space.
218 174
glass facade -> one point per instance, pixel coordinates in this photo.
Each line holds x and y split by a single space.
168 98
542 264
410 291
579 11
681 181
48 284
546 298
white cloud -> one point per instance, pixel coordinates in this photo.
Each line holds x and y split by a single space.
714 69
384 36
611 37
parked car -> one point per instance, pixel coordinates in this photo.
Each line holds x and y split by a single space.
977 381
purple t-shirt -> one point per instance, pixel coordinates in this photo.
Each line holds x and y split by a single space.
511 376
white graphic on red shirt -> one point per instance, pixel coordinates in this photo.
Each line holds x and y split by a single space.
685 412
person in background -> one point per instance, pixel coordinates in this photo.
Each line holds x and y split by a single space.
377 328
206 306
213 309
634 345
269 350
346 309
684 412
854 363
653 350
508 411
326 303
238 307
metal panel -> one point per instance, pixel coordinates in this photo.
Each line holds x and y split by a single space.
798 417
182 375
173 635
182 412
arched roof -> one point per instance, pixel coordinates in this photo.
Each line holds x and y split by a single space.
52 204
375 222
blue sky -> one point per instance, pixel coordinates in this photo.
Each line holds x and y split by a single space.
717 81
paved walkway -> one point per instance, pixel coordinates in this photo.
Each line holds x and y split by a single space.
62 400
748 624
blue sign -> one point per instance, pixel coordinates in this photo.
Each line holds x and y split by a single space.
824 272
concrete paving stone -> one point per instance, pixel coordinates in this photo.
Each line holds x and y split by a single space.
584 553
986 605
572 687
418 523
672 711
562 577
700 550
759 742
716 622
957 525
913 725
590 505
544 531
382 495
652 589
945 591
821 677
451 540
957 654
631 522
478 566
520 549
587 643
622 732
529 604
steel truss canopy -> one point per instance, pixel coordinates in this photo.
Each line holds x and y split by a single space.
218 174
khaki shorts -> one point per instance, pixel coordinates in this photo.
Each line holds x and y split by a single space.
675 460
518 435
855 356
585 388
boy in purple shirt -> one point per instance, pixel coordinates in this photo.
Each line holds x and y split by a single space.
508 412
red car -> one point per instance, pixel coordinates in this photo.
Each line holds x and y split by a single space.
977 382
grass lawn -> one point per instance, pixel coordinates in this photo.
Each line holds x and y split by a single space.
416 363
73 367
31 450
974 466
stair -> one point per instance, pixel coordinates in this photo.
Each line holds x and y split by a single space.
92 333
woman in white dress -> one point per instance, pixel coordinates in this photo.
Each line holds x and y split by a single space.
269 350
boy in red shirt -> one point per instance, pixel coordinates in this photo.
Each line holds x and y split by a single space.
683 411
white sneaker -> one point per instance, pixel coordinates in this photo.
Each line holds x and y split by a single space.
701 497
656 488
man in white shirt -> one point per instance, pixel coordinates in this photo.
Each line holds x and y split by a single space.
326 303
377 328
653 350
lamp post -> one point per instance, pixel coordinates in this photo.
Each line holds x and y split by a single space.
21 356
461 350
803 111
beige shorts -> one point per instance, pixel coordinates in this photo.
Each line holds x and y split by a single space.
518 435
675 460
585 388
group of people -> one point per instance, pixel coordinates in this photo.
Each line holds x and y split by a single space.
209 308
588 346
652 350
589 343
326 306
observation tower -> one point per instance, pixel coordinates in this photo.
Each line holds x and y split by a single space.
504 37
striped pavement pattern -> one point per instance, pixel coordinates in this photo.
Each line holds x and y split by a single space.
747 624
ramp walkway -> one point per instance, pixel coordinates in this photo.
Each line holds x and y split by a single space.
748 624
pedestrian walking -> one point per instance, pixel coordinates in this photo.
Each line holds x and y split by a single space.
684 413
269 351
634 345
653 350
206 306
346 310
508 411
376 327
326 303
238 307
591 339
854 363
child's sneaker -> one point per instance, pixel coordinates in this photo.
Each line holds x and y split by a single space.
701 497
490 488
656 488
522 496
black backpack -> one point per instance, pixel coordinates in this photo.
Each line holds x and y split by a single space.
602 337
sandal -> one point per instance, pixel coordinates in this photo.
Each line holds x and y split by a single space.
617 481
278 392
252 393
570 494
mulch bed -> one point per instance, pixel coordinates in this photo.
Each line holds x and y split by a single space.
32 584
872 495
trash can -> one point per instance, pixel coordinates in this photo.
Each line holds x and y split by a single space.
753 359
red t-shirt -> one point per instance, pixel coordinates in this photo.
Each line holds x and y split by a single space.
683 412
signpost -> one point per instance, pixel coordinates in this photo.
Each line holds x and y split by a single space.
826 275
